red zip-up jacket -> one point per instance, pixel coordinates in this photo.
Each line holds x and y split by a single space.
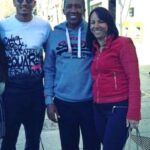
115 73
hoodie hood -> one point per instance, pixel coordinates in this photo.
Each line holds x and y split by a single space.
63 25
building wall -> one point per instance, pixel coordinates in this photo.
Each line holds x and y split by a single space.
6 8
51 10
136 26
95 3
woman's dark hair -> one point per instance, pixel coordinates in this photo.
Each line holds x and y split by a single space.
103 14
3 66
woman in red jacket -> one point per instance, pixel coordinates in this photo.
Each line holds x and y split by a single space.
116 86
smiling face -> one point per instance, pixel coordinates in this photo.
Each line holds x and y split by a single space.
98 27
74 11
24 9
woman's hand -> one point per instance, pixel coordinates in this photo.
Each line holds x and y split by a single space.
132 123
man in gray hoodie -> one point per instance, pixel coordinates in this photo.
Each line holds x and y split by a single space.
68 80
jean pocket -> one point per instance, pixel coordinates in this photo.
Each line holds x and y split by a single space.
114 108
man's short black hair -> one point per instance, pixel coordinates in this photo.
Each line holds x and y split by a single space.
83 2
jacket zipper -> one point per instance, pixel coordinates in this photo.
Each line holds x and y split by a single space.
97 85
97 81
97 66
115 80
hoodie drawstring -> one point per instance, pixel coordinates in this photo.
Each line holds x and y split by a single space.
79 42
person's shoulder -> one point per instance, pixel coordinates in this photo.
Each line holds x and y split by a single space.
7 23
7 19
40 21
123 39
59 31
124 42
61 26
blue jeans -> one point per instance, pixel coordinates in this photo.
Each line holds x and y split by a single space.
110 121
27 108
73 118
2 118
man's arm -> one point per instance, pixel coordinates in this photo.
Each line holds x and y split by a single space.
49 78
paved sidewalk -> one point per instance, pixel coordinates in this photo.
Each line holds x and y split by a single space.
144 125
50 134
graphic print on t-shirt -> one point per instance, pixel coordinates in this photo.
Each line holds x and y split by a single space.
62 49
23 62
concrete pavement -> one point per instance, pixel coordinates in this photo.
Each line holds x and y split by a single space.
50 134
144 125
